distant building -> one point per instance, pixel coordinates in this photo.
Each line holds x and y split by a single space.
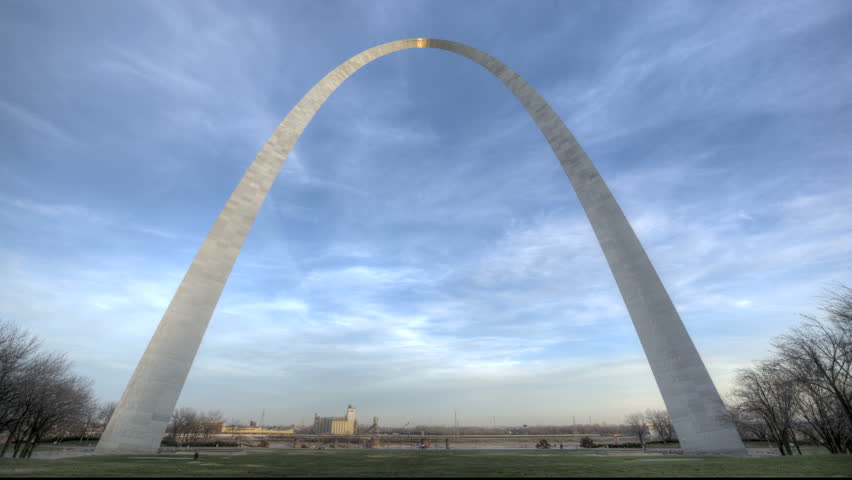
336 425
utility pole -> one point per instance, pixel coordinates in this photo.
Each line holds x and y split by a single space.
262 416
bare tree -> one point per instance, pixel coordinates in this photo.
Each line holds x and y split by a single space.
39 396
177 425
67 409
737 416
749 425
838 306
822 420
37 375
211 423
819 353
104 414
16 349
817 357
805 388
765 392
49 400
89 422
635 423
662 423
186 426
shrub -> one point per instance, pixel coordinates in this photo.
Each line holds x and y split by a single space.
215 444
168 442
542 444
587 442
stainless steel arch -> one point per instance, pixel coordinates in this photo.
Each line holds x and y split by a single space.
697 411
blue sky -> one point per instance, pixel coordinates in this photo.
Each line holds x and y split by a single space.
422 252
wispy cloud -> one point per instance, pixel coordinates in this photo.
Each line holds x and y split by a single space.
75 214
295 171
651 81
169 78
52 210
38 124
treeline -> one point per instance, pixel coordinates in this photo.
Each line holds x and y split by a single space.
585 429
659 419
188 426
803 391
40 397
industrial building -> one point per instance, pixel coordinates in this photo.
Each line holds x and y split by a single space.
336 425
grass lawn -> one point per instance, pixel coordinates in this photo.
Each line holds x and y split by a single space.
434 463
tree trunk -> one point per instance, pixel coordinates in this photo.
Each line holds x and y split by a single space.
786 442
25 450
27 445
19 443
779 442
6 444
796 443
844 403
13 432
32 446
829 443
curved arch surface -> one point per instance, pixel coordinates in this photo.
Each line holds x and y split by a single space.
698 414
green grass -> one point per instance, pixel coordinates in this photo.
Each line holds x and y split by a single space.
436 463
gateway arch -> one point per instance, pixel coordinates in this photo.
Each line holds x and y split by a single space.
697 411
